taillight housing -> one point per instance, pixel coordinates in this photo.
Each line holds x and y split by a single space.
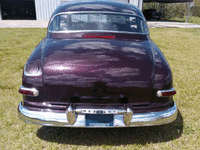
28 91
166 93
32 69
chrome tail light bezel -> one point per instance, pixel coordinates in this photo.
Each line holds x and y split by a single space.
29 91
166 93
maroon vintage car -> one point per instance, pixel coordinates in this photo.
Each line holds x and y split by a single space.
97 67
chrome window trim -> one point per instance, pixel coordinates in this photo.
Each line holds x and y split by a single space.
79 31
96 12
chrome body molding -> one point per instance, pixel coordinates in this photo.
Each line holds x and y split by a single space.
74 119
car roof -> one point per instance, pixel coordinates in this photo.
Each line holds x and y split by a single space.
95 5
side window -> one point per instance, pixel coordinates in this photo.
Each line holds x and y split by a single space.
138 25
144 27
55 25
133 24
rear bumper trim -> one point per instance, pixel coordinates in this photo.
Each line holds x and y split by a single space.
60 119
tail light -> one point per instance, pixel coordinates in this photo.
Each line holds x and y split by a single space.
99 36
29 91
166 93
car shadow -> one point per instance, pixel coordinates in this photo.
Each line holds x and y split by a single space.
113 136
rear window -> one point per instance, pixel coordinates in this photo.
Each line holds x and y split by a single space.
98 21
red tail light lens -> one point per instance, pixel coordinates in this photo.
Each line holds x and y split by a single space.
28 91
99 36
166 93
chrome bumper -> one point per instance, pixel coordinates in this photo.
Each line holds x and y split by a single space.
120 117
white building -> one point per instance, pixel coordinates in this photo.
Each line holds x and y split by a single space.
39 9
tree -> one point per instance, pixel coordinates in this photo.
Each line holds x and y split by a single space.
175 10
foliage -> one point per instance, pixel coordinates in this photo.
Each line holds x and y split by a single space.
195 11
195 20
175 10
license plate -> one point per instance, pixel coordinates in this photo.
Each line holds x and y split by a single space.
99 120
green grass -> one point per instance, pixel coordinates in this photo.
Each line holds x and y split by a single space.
181 47
191 19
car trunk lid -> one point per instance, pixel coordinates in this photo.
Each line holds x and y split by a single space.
99 69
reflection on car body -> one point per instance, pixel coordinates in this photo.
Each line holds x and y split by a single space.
97 67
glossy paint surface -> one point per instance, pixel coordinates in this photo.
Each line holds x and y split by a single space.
119 63
78 68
